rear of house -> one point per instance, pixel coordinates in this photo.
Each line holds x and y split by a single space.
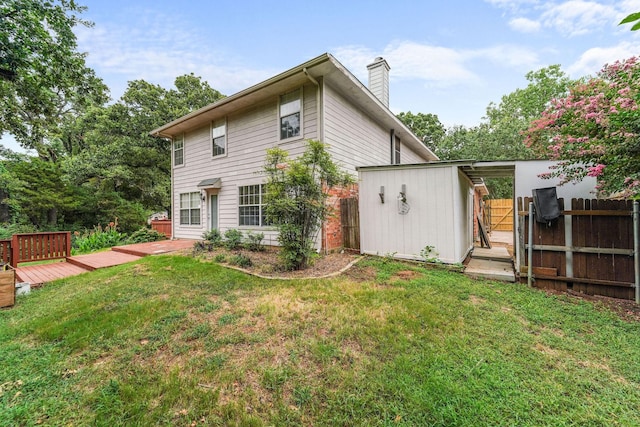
219 150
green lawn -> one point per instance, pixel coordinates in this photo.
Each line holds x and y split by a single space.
171 340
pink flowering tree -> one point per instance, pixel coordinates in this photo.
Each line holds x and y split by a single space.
595 130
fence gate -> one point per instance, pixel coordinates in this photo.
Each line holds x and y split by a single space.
350 219
501 211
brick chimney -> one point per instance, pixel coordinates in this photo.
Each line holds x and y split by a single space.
379 79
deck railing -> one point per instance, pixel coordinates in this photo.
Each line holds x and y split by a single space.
35 247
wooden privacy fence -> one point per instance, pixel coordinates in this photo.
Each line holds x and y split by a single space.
589 248
35 247
350 220
162 226
501 214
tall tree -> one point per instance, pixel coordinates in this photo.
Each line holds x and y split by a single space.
595 130
43 78
113 154
427 127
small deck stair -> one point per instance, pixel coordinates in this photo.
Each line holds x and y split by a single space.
492 264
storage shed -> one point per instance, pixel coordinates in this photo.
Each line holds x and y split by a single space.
407 208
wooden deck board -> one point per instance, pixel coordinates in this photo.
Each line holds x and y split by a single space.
39 274
43 273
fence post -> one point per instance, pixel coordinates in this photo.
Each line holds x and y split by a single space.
530 252
636 247
15 251
68 246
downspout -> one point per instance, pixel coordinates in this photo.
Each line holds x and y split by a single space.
320 138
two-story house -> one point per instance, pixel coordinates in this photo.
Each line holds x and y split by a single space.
219 150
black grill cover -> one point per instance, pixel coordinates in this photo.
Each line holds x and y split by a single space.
545 202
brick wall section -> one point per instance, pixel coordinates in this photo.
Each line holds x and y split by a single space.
332 228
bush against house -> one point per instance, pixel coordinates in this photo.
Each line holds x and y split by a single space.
296 198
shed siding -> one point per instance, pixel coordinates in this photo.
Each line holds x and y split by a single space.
434 194
354 138
249 134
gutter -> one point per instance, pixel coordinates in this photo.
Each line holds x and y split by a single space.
161 131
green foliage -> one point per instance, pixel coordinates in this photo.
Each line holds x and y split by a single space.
430 254
296 198
254 241
43 78
145 234
594 130
213 236
220 258
427 127
8 230
233 239
202 246
632 18
240 260
97 238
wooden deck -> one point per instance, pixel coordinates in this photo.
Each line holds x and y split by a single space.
39 274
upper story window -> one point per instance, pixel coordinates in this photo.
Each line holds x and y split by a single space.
178 150
396 150
290 107
190 208
219 137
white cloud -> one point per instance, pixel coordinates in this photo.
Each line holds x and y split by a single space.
577 17
524 25
509 55
409 60
592 61
158 50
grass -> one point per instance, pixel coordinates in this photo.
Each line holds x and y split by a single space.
169 340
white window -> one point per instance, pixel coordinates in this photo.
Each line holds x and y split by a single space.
290 104
190 208
395 150
250 205
219 137
178 150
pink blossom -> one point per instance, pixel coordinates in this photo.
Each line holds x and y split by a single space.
596 170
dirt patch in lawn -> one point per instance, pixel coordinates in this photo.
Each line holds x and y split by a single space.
267 263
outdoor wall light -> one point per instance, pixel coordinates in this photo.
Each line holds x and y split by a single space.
381 194
203 195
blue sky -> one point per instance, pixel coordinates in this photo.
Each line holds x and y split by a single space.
449 58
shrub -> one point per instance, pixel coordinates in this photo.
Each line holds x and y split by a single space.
145 234
254 241
202 246
214 236
98 238
233 239
8 230
240 260
220 258
296 198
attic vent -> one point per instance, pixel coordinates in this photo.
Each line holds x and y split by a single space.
379 79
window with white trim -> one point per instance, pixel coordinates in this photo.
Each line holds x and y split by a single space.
190 208
219 137
251 205
290 107
178 150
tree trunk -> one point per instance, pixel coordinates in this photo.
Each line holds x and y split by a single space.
5 215
52 216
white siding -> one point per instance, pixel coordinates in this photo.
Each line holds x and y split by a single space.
438 214
249 134
355 139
